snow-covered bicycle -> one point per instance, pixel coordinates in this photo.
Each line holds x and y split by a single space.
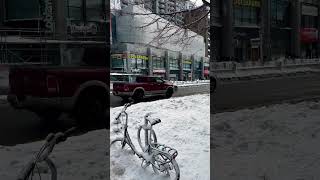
159 156
41 164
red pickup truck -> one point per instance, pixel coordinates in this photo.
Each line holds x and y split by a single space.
81 90
142 86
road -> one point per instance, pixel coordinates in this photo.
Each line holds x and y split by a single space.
21 126
182 91
235 95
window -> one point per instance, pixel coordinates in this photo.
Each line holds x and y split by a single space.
246 15
22 9
75 9
280 12
117 62
87 56
94 10
173 63
158 62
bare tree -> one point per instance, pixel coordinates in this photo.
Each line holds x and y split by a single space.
167 30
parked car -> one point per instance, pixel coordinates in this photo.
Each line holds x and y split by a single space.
81 90
144 86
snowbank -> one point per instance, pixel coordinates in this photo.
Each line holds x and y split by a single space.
79 158
277 142
185 127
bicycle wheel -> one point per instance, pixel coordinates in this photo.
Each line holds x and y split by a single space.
163 166
44 170
150 139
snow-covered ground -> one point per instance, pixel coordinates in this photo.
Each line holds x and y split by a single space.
185 126
191 83
79 158
280 142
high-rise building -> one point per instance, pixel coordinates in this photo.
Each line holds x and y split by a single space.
40 30
263 30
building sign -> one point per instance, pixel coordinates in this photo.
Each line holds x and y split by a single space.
309 35
133 56
90 28
134 70
47 13
251 3
159 71
187 62
309 10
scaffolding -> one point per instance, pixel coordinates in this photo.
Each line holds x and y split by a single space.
34 41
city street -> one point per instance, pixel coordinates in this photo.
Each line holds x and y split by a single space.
21 126
235 95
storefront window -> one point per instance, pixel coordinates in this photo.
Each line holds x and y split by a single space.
246 15
22 9
94 10
158 62
173 63
280 12
187 65
117 61
74 9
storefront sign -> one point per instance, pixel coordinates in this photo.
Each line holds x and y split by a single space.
159 71
309 35
136 70
117 56
133 56
309 10
48 15
90 28
187 62
251 3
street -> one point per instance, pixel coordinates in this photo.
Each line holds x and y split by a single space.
234 95
21 126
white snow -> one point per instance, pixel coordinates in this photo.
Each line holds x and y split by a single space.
190 83
279 142
185 127
79 158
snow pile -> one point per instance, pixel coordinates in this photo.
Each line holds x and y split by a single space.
191 83
185 127
79 158
277 142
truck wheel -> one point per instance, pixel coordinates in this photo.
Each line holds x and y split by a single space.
169 93
91 109
138 96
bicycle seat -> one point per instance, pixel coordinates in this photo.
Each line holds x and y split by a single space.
153 121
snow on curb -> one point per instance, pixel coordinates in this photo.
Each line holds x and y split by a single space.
277 142
185 127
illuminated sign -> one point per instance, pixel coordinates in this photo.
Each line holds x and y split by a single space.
187 62
251 3
133 56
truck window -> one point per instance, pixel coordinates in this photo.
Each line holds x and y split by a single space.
86 56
